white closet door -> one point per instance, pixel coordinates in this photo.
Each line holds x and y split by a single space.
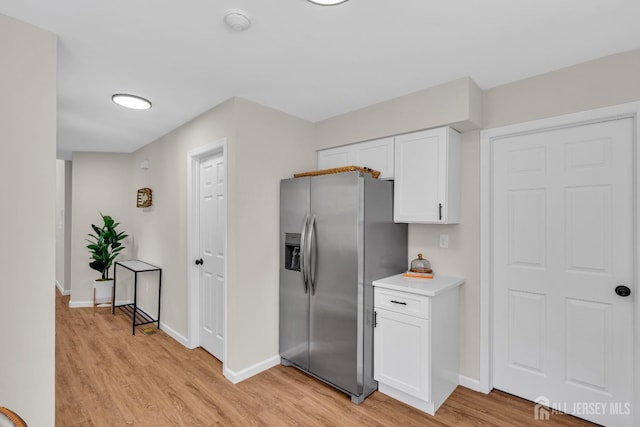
212 244
563 242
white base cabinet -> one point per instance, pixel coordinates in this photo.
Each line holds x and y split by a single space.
416 344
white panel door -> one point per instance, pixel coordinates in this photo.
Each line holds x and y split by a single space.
212 224
563 241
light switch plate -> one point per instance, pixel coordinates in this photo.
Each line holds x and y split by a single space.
444 241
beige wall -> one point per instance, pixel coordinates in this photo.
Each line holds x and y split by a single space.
270 146
160 231
457 103
62 218
68 176
59 221
264 146
602 82
101 183
27 177
598 83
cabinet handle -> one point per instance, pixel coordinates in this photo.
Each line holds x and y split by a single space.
399 302
440 211
375 319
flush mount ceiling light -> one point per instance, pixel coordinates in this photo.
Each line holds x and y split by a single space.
237 20
131 101
327 2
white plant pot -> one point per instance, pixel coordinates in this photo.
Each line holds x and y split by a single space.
103 291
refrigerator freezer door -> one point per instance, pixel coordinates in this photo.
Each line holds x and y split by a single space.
294 295
335 346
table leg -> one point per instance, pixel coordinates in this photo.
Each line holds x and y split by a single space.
159 294
113 297
135 301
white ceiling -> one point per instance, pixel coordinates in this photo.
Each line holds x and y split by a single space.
311 61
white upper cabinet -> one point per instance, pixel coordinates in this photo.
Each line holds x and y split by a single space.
376 154
427 177
334 157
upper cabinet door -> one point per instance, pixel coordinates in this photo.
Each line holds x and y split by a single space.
334 157
376 154
427 177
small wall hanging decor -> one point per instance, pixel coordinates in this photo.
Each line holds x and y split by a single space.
144 198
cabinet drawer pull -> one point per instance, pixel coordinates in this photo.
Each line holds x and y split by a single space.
399 302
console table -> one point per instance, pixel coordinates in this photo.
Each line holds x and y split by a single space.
138 316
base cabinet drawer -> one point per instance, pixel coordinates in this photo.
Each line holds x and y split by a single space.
402 302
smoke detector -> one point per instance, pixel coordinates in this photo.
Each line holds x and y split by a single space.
237 20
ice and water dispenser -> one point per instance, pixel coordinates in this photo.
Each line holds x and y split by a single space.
292 251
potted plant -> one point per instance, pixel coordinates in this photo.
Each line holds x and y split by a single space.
104 246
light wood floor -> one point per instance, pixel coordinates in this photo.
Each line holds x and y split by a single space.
107 377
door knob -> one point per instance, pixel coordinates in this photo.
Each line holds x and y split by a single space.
199 261
623 290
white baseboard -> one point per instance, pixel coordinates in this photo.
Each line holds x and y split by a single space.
80 304
236 377
163 326
89 304
191 344
470 383
175 335
61 290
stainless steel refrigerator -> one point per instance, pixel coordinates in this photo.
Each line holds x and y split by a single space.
337 235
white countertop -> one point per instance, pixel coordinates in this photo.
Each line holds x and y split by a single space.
428 287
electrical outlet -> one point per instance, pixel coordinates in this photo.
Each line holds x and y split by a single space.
444 241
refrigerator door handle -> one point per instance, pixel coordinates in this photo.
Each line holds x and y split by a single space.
303 254
312 256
